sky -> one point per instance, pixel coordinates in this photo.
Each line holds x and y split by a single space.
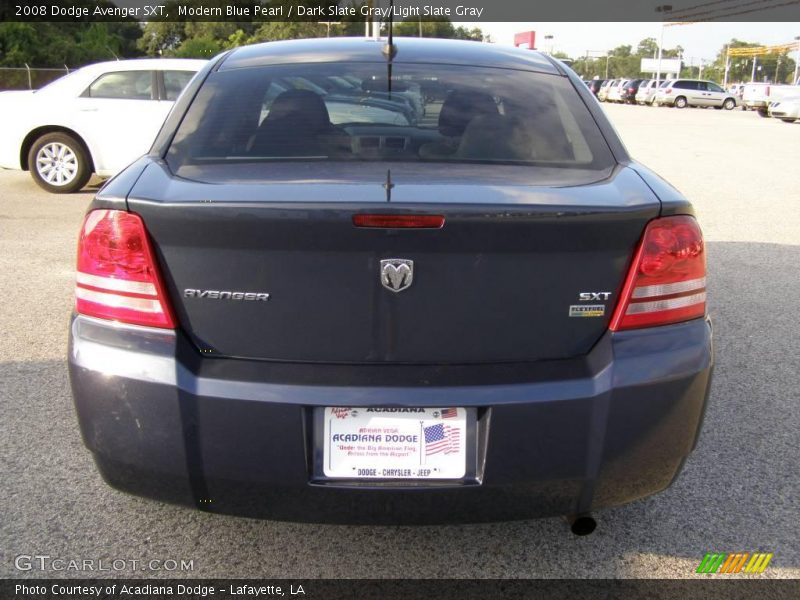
699 40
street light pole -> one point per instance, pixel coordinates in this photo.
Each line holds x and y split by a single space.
727 65
661 8
550 39
796 59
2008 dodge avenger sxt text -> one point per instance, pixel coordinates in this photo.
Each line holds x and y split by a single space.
357 285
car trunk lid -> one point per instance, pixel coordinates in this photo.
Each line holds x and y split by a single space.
518 272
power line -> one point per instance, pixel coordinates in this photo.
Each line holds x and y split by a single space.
703 5
722 12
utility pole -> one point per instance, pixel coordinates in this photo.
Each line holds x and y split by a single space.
661 8
753 75
727 65
796 58
607 57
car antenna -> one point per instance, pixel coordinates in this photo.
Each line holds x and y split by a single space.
389 49
388 185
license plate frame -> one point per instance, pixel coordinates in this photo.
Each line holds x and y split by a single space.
430 468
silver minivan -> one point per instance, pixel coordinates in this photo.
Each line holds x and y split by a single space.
695 92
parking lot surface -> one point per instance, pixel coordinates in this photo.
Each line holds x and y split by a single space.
738 492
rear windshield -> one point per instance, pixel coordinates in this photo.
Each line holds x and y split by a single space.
367 112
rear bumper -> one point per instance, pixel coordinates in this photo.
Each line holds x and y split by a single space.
235 437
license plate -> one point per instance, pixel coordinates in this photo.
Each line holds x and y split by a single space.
395 443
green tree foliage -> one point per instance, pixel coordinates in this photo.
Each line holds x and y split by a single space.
623 61
775 67
75 43
439 28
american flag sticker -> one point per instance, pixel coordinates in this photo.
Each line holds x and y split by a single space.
449 413
441 438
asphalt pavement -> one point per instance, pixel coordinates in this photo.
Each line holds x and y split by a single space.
739 490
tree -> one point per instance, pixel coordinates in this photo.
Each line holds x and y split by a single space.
287 30
199 47
647 48
74 44
438 28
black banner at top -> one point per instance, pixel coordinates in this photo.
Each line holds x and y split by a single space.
400 10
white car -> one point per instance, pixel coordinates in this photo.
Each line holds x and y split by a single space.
98 119
647 91
786 109
615 91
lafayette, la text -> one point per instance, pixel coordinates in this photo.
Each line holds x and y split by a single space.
148 589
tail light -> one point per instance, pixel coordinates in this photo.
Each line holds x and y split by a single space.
117 275
766 92
667 278
668 91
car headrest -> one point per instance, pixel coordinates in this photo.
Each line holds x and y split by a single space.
460 107
496 137
301 106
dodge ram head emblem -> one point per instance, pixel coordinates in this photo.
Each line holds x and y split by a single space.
397 274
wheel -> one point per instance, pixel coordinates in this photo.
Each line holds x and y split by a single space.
762 112
729 104
59 163
788 120
680 102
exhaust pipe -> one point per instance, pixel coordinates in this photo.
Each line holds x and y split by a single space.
582 524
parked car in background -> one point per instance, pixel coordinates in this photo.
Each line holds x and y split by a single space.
615 91
757 96
786 109
681 93
602 93
98 119
495 313
595 85
647 91
628 92
737 89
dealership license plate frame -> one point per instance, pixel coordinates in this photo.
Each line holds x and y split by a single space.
320 454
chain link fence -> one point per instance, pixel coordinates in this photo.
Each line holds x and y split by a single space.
27 78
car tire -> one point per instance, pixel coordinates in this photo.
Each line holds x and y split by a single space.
680 102
59 163
729 104
762 112
788 120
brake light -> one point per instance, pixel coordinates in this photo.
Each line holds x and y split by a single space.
667 278
399 221
117 275
668 91
766 93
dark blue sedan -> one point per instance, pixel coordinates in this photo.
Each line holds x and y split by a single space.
483 309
